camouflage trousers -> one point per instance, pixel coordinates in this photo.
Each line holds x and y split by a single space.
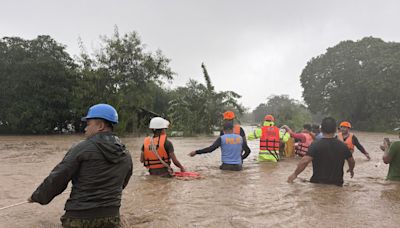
107 222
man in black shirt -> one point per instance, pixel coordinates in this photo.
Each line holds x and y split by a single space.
327 155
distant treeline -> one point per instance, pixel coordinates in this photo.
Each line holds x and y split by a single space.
44 90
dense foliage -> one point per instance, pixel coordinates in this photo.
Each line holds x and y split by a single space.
198 108
285 110
356 81
44 90
37 80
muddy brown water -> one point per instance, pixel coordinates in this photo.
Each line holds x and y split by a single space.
259 196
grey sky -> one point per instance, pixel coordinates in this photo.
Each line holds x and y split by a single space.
256 48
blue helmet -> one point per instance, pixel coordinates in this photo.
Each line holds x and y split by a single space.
102 111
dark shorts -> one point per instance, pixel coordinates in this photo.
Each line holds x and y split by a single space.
106 222
162 172
231 167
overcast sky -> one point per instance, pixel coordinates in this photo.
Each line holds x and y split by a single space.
256 48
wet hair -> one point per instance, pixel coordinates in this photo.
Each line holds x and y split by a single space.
328 125
307 127
228 125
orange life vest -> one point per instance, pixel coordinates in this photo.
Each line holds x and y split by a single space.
348 141
302 147
269 140
150 159
236 129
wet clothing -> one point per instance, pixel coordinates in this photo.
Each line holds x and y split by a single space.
107 222
150 158
394 165
306 139
231 147
99 168
162 171
231 167
245 148
272 155
329 155
355 143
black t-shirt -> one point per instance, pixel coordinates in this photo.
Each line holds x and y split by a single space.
328 156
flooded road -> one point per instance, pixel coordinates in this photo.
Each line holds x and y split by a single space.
259 196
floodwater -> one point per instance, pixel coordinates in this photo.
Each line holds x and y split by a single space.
259 196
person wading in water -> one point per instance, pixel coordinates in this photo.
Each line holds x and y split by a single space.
231 149
158 151
98 167
327 156
350 139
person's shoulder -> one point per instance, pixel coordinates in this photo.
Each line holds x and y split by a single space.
167 141
82 145
395 144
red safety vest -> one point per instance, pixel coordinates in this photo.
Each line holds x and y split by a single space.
150 159
270 139
302 147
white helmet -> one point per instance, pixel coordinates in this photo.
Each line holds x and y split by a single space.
158 123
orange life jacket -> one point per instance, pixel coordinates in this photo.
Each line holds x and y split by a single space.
302 147
150 159
269 140
236 129
348 141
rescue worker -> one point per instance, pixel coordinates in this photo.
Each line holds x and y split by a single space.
392 157
305 137
99 168
270 137
158 151
229 116
350 139
231 148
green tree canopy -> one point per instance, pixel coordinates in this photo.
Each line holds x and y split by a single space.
124 75
37 79
197 108
285 110
356 81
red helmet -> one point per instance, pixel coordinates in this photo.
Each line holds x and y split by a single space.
269 118
345 124
229 115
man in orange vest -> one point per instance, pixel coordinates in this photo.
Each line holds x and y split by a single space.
158 151
350 139
229 116
306 137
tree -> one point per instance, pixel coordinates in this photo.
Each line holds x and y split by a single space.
36 91
198 108
285 110
124 75
356 81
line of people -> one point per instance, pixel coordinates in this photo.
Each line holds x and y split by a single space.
100 166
